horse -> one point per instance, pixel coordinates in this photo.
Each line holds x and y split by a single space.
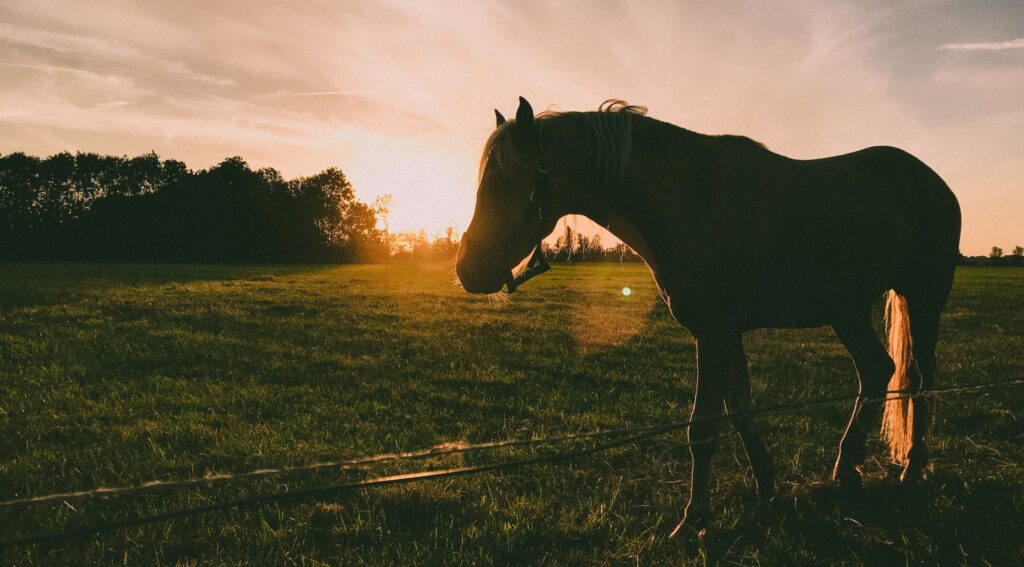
737 238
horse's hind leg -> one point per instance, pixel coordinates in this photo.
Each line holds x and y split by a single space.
874 368
737 401
926 292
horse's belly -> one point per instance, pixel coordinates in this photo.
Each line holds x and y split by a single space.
796 314
747 307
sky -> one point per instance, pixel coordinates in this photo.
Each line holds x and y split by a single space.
399 95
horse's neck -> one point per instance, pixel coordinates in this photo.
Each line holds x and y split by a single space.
629 232
640 208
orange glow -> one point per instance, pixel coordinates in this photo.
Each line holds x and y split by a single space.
433 183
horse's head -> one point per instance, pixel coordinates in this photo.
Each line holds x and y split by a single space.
512 212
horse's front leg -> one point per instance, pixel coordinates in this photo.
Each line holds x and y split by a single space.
716 354
737 402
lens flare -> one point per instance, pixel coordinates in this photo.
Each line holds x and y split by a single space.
627 292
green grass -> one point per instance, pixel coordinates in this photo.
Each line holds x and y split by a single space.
120 374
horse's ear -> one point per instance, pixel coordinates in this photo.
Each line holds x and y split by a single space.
524 116
498 117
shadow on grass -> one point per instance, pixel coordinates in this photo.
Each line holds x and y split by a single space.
30 284
435 524
940 521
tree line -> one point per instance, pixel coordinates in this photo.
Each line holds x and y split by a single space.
574 246
86 206
996 258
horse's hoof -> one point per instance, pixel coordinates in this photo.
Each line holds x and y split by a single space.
766 490
690 536
850 480
913 475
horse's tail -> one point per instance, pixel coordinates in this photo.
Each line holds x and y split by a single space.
898 416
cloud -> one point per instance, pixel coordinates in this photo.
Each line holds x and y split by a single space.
335 93
47 68
986 46
94 51
278 94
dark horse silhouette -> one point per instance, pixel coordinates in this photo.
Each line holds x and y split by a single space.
738 238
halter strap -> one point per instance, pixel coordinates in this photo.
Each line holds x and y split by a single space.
537 265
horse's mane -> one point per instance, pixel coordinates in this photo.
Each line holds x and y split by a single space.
609 124
610 129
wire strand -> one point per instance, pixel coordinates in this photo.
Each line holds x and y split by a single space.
450 448
639 434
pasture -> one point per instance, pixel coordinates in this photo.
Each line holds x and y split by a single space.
114 375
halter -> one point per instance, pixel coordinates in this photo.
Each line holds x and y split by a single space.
537 265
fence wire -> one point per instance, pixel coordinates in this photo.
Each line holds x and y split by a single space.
627 436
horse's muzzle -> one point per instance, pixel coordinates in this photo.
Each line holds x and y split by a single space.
478 274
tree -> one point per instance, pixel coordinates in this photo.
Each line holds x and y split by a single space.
997 252
446 245
382 207
596 248
1018 251
345 226
19 206
565 244
582 247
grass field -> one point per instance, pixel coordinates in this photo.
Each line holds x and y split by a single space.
119 374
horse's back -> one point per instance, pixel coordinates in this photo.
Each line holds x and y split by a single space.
797 239
879 198
922 215
764 240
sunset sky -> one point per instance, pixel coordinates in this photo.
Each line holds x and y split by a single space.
400 94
